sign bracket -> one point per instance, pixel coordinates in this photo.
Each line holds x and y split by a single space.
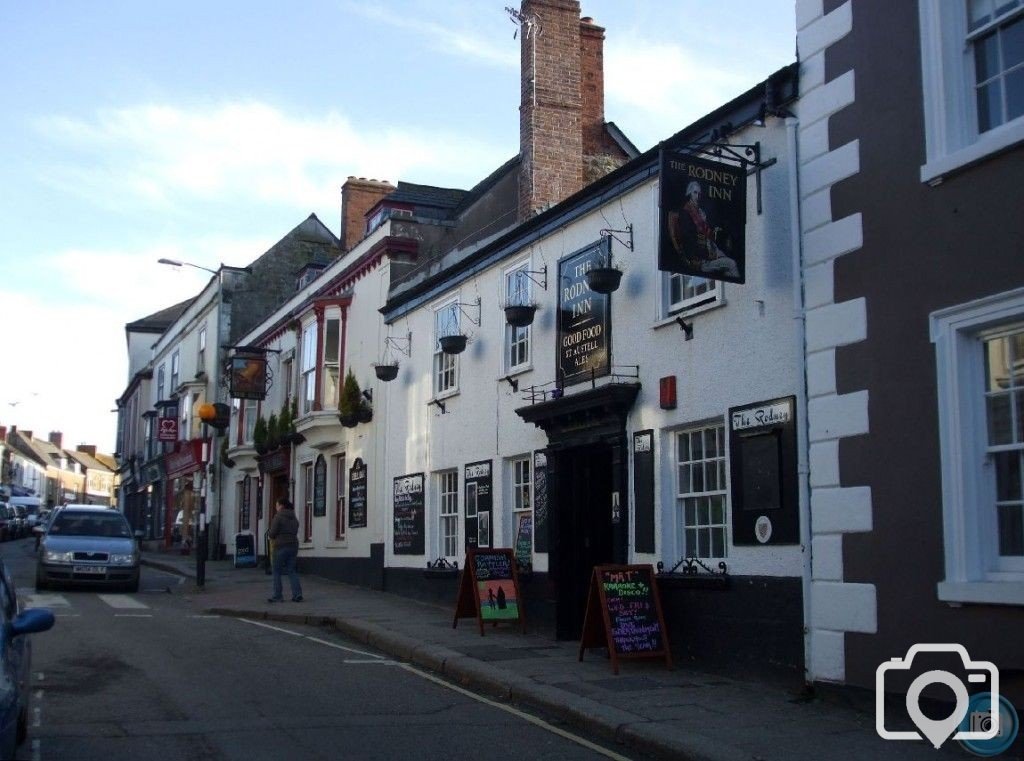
743 155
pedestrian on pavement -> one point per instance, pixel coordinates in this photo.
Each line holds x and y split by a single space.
284 531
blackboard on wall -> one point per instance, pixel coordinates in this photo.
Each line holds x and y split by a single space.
357 494
489 589
624 614
320 486
540 502
479 503
409 535
643 491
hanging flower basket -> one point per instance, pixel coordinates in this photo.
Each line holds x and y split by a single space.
349 420
520 315
386 373
604 279
454 344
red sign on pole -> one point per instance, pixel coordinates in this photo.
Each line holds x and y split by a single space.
167 429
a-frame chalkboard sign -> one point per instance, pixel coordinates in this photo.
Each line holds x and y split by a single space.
624 614
489 589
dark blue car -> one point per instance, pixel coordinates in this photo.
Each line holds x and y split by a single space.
16 662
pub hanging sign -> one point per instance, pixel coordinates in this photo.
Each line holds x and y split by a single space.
248 376
584 317
702 229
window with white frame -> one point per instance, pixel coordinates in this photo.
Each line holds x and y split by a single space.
972 54
339 497
518 292
522 508
979 350
701 491
175 372
448 513
308 366
331 366
201 356
446 366
160 373
250 411
286 377
685 292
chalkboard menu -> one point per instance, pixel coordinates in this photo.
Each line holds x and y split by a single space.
524 540
540 502
643 491
584 317
479 502
245 551
357 494
409 536
320 486
624 614
489 589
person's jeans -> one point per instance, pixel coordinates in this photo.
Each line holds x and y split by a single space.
284 562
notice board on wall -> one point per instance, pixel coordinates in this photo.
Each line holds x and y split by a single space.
357 494
540 502
489 589
409 525
624 614
643 491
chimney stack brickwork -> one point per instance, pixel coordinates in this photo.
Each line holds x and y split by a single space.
89 449
358 196
56 438
550 114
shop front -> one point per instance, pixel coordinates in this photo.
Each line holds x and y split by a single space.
183 488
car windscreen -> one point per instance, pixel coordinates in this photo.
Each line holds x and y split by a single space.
97 524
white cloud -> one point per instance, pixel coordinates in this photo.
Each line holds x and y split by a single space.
159 156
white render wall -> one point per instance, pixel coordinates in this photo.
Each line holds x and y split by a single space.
743 351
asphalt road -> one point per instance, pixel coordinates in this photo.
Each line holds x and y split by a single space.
148 676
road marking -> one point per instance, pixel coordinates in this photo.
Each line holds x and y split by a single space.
133 615
202 616
43 600
370 660
35 750
515 712
346 649
479 698
36 716
122 601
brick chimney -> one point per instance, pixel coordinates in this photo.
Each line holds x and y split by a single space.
56 438
550 111
89 449
358 196
27 435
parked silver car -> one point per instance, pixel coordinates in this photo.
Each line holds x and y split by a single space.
85 544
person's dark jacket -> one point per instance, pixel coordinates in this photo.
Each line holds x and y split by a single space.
284 529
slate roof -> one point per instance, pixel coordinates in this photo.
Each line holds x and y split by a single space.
86 460
158 322
426 195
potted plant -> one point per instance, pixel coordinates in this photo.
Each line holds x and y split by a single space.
284 426
350 402
259 436
293 414
453 344
604 279
386 372
520 315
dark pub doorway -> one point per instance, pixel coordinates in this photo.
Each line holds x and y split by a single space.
583 530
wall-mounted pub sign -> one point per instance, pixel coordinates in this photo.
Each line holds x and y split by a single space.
763 473
248 376
584 317
479 504
702 230
357 494
407 508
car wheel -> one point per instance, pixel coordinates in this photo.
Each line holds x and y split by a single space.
133 586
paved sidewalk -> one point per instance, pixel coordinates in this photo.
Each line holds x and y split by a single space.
686 713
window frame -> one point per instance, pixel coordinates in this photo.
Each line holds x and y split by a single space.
680 496
445 364
161 375
512 335
308 493
521 497
972 573
175 371
307 367
340 494
328 400
709 299
201 353
952 140
446 485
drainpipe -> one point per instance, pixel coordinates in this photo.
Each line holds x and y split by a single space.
803 470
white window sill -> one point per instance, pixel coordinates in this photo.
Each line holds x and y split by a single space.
991 142
687 312
991 592
444 395
514 371
336 544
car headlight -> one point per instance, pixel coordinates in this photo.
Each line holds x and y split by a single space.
123 559
58 557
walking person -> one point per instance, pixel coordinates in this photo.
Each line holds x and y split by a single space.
284 531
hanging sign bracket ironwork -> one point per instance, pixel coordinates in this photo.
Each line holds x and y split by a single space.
610 233
746 155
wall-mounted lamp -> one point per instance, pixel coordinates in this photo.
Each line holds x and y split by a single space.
513 382
686 326
368 395
438 403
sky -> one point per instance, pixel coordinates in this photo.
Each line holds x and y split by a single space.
205 131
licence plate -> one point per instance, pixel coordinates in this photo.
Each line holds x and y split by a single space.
92 569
